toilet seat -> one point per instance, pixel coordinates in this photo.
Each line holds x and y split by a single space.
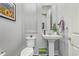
27 52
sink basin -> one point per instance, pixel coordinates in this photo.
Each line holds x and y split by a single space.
52 37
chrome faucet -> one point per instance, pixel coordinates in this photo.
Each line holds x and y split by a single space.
43 28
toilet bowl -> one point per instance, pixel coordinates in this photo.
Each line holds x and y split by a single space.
28 51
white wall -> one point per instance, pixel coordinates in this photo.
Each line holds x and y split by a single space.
70 12
30 21
65 10
30 17
11 33
75 22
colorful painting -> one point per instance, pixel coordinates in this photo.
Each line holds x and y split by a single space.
7 10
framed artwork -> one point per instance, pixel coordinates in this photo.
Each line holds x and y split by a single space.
8 11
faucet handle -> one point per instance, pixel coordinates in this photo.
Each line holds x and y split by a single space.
43 25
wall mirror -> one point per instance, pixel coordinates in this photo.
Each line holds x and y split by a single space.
51 12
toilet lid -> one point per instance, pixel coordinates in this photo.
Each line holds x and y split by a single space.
27 52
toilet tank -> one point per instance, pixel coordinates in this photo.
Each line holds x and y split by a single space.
30 41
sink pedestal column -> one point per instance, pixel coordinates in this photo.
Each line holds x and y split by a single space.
51 39
51 47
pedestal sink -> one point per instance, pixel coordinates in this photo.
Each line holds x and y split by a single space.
51 39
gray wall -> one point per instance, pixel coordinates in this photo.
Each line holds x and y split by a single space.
11 33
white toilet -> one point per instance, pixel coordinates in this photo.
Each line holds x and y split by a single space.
28 51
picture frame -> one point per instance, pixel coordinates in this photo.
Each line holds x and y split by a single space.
8 11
